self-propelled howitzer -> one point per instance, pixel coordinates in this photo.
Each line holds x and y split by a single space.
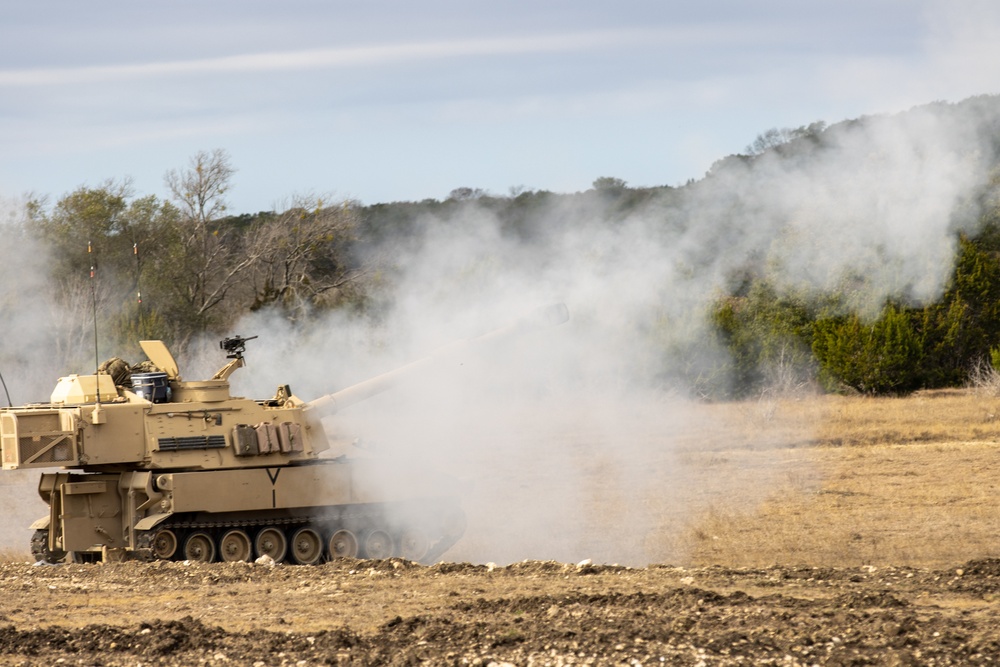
154 466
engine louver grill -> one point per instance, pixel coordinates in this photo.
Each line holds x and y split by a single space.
192 442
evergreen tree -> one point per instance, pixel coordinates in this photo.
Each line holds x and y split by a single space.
874 358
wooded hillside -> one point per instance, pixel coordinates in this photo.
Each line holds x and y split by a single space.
863 255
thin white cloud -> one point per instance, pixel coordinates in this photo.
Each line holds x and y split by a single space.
105 136
360 56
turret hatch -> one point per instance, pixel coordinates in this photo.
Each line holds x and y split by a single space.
158 353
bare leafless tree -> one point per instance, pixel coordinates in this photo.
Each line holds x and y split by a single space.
200 190
300 258
207 261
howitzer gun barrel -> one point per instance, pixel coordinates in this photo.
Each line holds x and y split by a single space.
540 318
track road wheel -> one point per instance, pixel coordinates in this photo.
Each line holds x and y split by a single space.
378 544
199 547
40 548
271 542
307 546
413 544
343 544
165 544
235 546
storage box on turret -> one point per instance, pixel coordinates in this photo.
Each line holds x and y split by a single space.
82 389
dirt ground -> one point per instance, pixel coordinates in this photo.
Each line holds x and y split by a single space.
395 612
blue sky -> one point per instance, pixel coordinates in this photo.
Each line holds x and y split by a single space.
388 100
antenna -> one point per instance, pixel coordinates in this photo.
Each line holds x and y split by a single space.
138 288
93 293
9 403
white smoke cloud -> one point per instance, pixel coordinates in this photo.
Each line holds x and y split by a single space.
883 200
33 331
28 366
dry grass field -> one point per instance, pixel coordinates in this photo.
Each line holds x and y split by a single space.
854 481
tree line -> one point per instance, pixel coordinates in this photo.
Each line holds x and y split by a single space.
783 340
176 268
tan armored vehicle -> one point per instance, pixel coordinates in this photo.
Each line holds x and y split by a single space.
154 466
